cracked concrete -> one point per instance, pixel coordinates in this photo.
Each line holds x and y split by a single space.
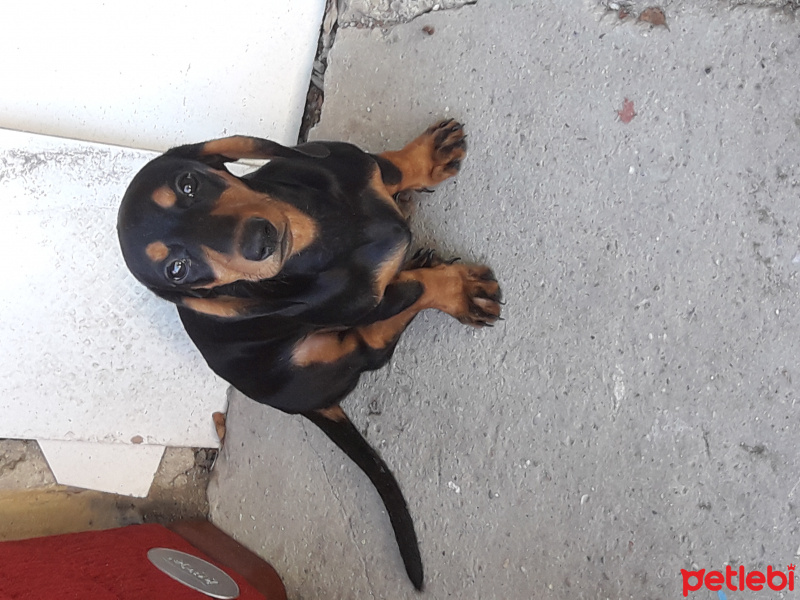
22 465
384 13
635 188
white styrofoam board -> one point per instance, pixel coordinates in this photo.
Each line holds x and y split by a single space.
84 364
113 468
87 352
154 73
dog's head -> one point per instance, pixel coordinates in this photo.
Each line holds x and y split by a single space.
187 226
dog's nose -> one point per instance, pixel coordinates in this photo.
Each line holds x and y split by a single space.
259 239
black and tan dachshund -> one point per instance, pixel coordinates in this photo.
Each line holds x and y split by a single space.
294 279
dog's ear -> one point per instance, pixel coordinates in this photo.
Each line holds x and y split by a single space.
216 153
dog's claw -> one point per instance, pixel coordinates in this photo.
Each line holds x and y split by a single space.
457 144
424 258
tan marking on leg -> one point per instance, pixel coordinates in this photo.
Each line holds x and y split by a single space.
458 290
164 197
157 251
381 334
443 288
425 161
449 288
329 347
333 413
325 348
414 165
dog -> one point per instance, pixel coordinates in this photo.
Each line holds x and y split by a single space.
295 279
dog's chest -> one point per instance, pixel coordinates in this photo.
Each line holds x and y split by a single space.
363 235
341 276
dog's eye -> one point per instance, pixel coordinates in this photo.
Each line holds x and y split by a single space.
177 270
187 184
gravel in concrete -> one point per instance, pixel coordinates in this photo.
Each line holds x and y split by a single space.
636 189
22 465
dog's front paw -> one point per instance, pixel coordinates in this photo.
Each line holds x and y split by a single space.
448 148
482 296
469 293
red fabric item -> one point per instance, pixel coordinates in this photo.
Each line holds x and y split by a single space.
99 565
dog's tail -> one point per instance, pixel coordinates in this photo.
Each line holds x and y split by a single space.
338 427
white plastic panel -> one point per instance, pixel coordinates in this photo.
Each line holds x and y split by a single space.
114 468
87 352
153 73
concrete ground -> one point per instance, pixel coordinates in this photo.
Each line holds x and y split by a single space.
635 187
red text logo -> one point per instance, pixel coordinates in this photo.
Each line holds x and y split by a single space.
738 579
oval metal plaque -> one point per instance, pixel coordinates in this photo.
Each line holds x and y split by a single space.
194 572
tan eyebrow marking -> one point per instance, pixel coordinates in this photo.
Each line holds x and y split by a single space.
157 251
164 197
